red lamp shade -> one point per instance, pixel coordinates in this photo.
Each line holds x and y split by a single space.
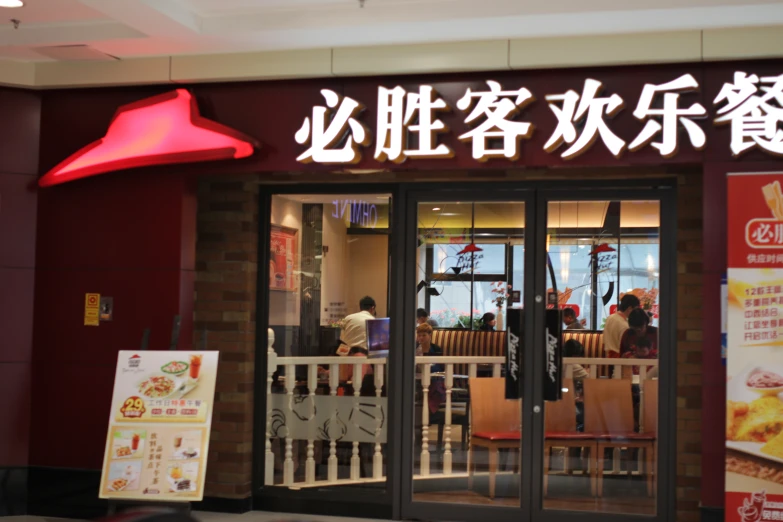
469 249
160 130
602 248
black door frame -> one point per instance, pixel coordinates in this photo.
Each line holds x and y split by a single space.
395 501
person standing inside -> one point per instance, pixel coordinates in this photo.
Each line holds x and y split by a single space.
571 321
354 329
617 324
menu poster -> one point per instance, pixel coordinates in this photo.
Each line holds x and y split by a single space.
282 259
159 425
754 348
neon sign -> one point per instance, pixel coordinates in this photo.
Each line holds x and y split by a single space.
160 130
359 212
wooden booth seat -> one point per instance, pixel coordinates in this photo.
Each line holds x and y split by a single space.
593 342
469 343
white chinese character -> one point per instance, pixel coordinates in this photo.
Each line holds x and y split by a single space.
779 233
329 130
751 258
396 111
497 108
762 234
671 114
754 119
594 109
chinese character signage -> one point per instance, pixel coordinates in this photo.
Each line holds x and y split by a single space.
408 122
159 426
754 344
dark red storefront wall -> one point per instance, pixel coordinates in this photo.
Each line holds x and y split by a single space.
19 128
131 235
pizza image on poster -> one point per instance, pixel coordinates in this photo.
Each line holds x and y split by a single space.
754 348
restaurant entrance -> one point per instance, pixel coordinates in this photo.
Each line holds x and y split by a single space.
496 370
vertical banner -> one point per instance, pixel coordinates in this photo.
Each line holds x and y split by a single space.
553 366
159 426
754 348
514 339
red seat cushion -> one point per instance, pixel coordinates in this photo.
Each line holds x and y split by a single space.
632 436
569 435
499 435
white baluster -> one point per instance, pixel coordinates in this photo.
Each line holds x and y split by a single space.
356 462
271 368
288 465
425 420
618 371
334 381
312 385
593 371
447 426
496 370
377 458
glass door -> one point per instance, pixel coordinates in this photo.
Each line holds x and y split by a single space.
604 272
463 432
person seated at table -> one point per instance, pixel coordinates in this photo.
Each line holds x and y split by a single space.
423 317
437 391
488 322
571 321
640 341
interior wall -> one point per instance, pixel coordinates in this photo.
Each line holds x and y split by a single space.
334 266
368 269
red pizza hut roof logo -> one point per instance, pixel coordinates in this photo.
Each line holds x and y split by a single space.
134 361
161 130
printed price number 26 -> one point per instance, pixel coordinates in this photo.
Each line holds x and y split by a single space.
133 407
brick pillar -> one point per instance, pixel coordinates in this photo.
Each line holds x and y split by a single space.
689 345
225 306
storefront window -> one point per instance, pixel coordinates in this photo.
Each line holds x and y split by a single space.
328 309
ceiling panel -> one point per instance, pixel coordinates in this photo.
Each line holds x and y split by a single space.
53 11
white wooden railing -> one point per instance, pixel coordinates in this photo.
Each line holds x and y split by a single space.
616 364
424 374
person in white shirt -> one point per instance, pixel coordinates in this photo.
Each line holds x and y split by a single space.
617 324
354 330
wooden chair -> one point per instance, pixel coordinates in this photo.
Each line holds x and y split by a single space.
560 432
609 418
650 427
496 423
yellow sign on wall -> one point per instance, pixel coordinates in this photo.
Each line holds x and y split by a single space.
92 305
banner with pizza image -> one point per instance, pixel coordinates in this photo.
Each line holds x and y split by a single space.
159 426
754 348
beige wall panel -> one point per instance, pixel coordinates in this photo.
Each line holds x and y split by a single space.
617 49
424 58
252 66
752 42
85 74
17 74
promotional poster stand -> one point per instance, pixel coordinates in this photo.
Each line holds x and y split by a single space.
116 506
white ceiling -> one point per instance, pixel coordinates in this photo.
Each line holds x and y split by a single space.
143 28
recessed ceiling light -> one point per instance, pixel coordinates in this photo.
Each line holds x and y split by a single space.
11 3
436 208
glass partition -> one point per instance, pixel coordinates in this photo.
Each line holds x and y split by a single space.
328 308
601 438
467 436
